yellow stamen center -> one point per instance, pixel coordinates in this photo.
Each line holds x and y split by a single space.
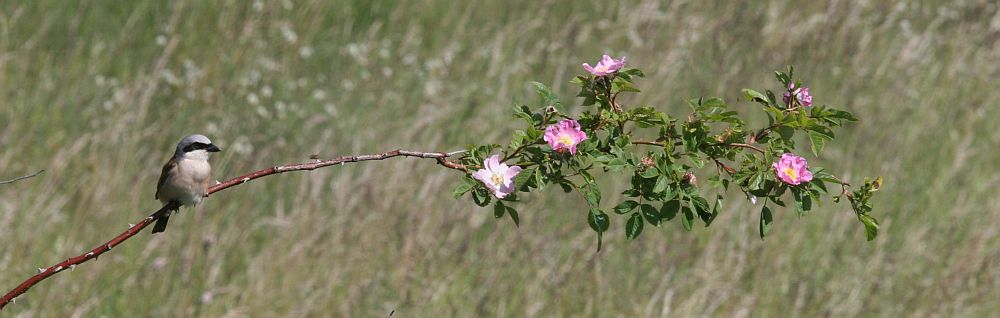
497 179
566 140
791 173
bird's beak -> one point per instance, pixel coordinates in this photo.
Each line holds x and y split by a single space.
212 148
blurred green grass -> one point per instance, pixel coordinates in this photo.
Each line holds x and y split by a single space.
97 94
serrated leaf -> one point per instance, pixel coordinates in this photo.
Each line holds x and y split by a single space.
871 226
701 207
499 210
616 164
661 184
514 216
688 219
755 96
461 190
548 97
670 209
803 203
592 193
481 197
634 226
525 179
765 221
598 220
625 207
817 140
840 114
650 173
651 214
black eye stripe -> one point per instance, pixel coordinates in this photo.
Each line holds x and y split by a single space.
195 146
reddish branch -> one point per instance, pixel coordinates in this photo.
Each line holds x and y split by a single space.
134 229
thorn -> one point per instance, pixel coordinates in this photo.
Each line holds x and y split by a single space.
130 225
72 267
89 254
41 270
245 180
59 268
108 246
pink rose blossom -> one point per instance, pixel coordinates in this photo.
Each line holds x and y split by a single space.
606 66
792 169
497 176
801 94
564 136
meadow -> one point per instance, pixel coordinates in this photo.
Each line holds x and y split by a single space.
98 93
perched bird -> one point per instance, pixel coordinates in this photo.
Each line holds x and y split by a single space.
186 176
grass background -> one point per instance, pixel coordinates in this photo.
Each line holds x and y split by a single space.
97 93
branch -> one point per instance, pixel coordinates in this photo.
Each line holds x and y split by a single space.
134 229
22 177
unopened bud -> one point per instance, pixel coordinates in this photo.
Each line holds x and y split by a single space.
648 161
690 179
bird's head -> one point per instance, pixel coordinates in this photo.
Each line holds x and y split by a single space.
195 147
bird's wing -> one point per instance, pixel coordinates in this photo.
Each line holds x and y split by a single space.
171 165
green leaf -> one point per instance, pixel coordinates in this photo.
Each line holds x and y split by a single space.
616 164
592 193
840 114
622 85
634 226
755 96
625 207
803 203
669 209
651 214
765 221
499 210
633 72
462 189
525 179
514 216
871 226
688 218
817 140
598 220
701 207
661 184
650 173
548 97
482 197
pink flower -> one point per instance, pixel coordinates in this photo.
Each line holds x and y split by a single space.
497 176
801 94
564 136
792 169
606 66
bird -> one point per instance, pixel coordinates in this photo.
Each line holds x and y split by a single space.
185 178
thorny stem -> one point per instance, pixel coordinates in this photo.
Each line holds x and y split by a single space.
134 229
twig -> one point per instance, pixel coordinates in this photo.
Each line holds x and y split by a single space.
134 229
748 146
22 177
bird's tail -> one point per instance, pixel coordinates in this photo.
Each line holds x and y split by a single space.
161 223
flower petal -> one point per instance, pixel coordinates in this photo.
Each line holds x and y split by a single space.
492 163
